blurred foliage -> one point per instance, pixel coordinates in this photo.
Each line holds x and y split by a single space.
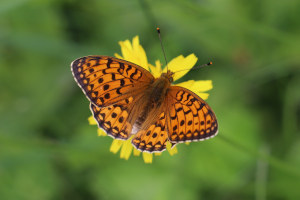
48 150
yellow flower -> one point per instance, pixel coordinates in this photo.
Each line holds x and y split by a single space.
135 53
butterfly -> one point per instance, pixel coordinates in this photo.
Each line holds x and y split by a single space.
126 100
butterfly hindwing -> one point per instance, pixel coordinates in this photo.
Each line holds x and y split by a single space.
154 138
106 80
113 119
190 118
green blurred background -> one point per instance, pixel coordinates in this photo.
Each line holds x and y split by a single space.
49 151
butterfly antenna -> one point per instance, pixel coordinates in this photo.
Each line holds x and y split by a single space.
162 46
204 65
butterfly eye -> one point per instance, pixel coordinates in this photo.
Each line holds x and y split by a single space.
171 79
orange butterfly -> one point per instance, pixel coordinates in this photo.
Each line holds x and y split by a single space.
127 100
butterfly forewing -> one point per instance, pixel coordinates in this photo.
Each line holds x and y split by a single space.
190 118
106 80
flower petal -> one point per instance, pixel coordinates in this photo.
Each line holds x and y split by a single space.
157 153
101 132
92 120
136 152
203 86
198 87
156 70
153 70
133 52
181 63
171 150
186 84
126 50
126 149
139 53
118 56
204 96
115 146
147 157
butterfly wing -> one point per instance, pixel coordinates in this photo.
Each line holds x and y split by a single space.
189 118
113 118
106 80
154 138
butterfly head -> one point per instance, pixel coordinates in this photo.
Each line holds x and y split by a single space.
168 76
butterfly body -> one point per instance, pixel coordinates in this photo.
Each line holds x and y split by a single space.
158 90
127 100
149 104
